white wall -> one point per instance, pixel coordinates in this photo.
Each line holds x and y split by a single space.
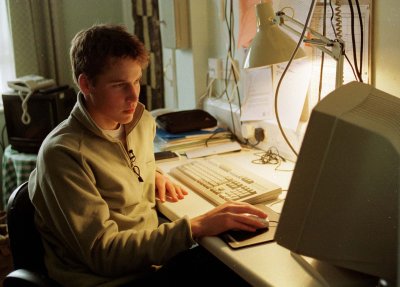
184 85
209 38
386 46
191 65
78 15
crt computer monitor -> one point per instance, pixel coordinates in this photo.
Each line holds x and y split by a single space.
46 111
342 204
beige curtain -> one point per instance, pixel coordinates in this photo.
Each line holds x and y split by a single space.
38 39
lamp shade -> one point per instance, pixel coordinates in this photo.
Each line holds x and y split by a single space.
270 45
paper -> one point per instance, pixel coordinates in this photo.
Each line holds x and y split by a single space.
214 149
259 95
259 100
293 91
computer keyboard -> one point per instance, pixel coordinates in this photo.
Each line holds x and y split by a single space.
219 182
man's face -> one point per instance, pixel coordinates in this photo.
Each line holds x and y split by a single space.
114 97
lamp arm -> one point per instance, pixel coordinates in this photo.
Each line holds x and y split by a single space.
334 48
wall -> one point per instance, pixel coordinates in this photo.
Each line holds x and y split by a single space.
209 38
209 33
77 15
191 83
386 46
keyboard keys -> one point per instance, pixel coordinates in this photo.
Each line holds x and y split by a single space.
218 182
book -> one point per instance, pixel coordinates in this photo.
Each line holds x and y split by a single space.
193 139
165 135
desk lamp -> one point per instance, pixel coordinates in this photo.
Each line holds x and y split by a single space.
271 45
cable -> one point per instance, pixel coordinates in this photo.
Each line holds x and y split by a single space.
231 70
214 134
284 73
271 156
226 84
322 55
208 92
337 36
338 18
229 25
259 136
353 40
25 118
361 38
290 8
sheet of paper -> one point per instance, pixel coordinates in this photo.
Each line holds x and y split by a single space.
259 95
259 100
293 91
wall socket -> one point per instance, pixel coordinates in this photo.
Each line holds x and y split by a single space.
217 69
221 110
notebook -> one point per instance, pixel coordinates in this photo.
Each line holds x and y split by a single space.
240 239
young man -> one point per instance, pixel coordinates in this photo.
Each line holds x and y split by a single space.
95 184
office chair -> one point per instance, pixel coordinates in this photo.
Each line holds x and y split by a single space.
25 242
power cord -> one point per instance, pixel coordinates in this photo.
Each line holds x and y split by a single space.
283 133
259 136
271 156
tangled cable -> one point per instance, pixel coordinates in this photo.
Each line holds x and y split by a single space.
271 156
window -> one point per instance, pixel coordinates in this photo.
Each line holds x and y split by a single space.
7 69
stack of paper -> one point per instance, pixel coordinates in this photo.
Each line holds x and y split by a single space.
194 139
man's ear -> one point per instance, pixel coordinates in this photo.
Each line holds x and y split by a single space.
84 84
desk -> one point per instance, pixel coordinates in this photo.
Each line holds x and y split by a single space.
16 168
268 264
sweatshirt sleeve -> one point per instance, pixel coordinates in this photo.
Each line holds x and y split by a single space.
76 222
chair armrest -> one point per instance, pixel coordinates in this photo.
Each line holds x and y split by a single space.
27 278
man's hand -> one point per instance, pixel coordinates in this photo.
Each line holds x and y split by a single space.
166 190
231 215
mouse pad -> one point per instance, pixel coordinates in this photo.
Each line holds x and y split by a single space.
239 239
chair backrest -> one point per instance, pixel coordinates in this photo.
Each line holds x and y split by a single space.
25 242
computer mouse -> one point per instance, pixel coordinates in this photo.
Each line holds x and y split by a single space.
264 221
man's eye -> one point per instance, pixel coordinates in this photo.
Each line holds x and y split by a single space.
120 85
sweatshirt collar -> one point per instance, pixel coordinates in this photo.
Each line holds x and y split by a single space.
82 115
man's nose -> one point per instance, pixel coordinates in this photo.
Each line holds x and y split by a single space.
133 93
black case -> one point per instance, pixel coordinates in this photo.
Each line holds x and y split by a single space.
185 121
47 108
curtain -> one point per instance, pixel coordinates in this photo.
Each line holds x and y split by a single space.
147 28
38 39
7 71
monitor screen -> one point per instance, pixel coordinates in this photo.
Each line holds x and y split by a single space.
342 204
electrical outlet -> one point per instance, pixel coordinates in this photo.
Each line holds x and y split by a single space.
247 130
259 134
215 68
